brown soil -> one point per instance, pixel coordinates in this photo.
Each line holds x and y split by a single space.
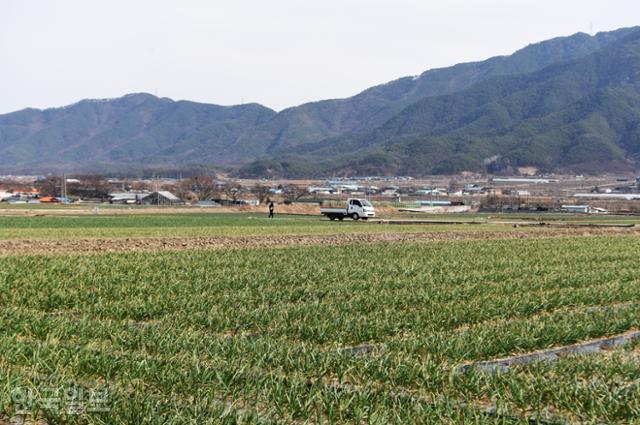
102 245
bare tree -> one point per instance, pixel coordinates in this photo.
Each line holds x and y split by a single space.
454 186
205 188
200 188
232 191
140 185
89 186
184 189
293 193
50 186
261 192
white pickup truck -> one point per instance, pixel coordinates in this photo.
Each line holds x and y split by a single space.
356 209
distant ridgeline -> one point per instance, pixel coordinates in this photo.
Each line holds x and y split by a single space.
570 104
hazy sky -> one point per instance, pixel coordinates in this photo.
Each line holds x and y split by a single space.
276 52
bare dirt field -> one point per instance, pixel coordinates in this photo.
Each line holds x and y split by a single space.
151 244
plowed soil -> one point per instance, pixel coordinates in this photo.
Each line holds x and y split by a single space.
150 244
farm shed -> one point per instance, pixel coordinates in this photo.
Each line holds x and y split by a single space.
587 209
576 208
162 197
127 197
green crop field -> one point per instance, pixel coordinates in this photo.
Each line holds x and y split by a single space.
193 225
248 224
267 335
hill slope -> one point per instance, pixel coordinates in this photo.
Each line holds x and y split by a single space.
581 115
316 121
131 131
404 125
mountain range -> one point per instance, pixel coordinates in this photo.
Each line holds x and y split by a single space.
566 104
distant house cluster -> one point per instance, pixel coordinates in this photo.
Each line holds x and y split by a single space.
496 194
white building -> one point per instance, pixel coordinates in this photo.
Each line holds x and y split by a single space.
582 209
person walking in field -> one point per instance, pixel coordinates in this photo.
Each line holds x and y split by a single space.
270 209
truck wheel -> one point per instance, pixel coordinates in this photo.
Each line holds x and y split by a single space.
332 217
355 216
340 218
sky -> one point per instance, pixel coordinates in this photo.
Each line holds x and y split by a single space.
279 53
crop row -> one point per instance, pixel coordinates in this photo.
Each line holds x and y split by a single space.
194 225
197 335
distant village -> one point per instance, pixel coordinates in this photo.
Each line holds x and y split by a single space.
577 194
